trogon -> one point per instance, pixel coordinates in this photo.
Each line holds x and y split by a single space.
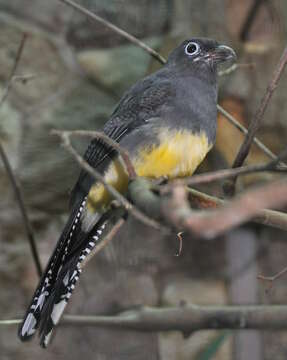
167 124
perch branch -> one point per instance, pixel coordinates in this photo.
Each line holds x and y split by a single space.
176 210
241 209
267 217
227 173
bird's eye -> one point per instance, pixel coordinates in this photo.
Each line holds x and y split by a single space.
191 48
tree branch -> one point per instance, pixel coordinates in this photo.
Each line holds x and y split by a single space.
116 29
113 144
227 173
176 210
12 178
267 217
254 9
191 318
14 68
187 318
243 129
108 238
256 121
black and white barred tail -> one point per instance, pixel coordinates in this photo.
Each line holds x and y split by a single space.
60 278
65 284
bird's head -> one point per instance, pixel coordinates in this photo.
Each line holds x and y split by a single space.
201 54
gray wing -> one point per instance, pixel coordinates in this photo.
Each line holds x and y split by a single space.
142 102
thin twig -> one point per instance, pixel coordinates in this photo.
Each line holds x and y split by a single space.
13 181
99 177
271 279
27 224
116 29
24 78
108 238
256 121
113 144
226 174
235 67
254 9
243 129
14 68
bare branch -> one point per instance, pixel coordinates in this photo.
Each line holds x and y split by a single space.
241 209
191 318
243 129
235 67
13 181
267 217
14 68
227 173
252 13
271 279
176 211
256 121
108 238
116 29
113 144
187 318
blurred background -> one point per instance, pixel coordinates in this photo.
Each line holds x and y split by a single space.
76 72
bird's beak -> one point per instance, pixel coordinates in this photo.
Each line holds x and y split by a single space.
223 53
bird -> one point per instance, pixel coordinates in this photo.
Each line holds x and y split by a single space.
167 124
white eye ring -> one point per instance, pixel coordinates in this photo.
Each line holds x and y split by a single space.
192 48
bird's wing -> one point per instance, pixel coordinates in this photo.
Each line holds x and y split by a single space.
136 108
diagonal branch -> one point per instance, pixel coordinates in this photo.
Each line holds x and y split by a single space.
14 68
227 173
13 181
113 144
257 120
243 129
267 217
209 224
116 29
176 211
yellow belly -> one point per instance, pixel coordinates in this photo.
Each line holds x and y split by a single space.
177 155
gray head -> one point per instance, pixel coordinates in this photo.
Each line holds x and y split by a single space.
200 56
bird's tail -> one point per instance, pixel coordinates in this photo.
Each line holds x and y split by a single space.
59 280
67 279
